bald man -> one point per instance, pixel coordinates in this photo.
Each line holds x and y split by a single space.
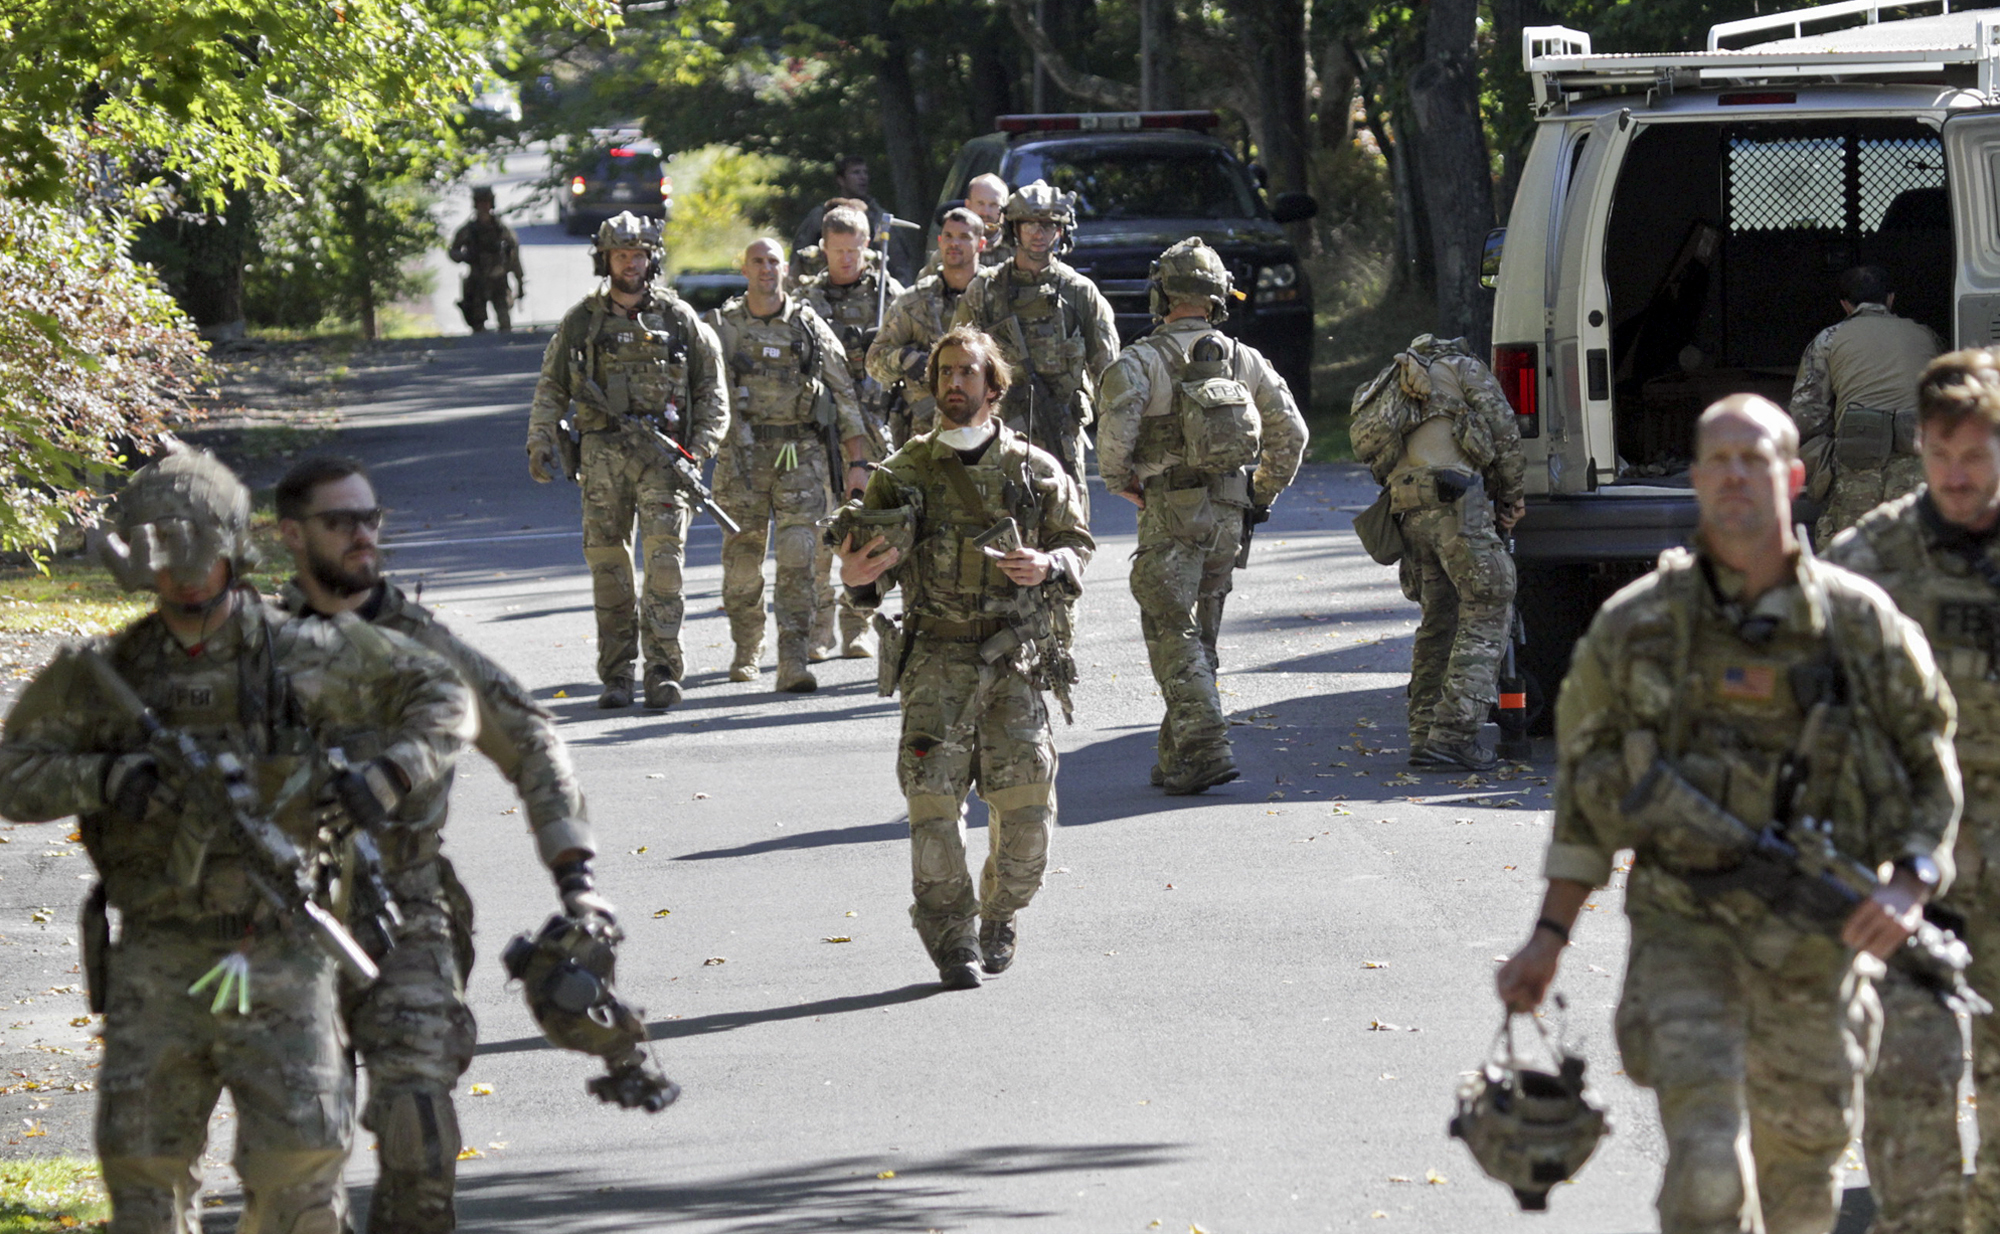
987 197
1687 698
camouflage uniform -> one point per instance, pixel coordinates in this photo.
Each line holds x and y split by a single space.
1191 526
851 310
969 721
1455 564
493 252
1855 404
810 263
662 366
1738 1021
902 258
413 1027
1914 1159
1057 331
915 321
785 371
277 693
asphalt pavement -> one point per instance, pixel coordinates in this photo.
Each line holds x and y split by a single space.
1245 1011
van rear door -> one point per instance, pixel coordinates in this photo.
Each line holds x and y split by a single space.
1579 343
1972 169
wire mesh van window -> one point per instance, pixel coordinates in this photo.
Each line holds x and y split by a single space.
1846 183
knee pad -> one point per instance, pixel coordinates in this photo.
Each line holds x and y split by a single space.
293 1192
1024 832
416 1130
612 557
167 1174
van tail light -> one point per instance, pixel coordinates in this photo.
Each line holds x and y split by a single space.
1516 367
576 186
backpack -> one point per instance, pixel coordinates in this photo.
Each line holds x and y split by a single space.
1220 429
1383 414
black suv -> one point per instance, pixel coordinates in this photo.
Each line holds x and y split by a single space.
1145 180
610 180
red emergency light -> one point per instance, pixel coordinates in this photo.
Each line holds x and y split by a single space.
1107 122
622 152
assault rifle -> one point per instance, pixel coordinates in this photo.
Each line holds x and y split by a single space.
1793 866
218 786
673 456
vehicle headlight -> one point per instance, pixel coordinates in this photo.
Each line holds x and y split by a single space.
1282 277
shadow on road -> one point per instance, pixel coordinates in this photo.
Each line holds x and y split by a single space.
726 1021
836 1192
874 833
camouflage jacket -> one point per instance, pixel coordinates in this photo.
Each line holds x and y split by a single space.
779 365
1664 658
851 311
1055 325
275 692
992 253
1871 357
663 364
1141 384
492 251
902 348
945 577
514 730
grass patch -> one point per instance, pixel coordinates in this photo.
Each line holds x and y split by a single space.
39 1195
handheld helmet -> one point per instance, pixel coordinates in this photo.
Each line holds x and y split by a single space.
566 972
1189 268
627 231
180 514
1526 1128
1043 204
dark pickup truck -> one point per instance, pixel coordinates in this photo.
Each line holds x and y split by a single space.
1145 180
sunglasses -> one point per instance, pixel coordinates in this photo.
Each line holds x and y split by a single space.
346 522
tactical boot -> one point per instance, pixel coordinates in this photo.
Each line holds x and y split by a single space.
821 645
958 970
1422 758
617 693
744 668
996 945
1158 777
1200 773
746 630
793 676
663 689
854 636
1467 754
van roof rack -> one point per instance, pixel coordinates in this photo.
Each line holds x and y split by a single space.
1799 46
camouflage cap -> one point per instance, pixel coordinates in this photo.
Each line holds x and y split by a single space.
1190 268
1042 203
181 514
629 231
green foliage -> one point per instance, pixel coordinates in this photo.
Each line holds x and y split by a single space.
43 1195
214 92
717 191
94 356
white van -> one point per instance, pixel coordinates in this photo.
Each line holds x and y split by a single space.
1679 226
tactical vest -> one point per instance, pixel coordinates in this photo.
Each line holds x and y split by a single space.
1209 421
1960 613
850 310
1055 346
642 366
771 366
953 577
178 865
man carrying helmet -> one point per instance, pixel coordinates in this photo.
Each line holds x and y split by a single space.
646 378
1200 433
493 252
164 739
1055 329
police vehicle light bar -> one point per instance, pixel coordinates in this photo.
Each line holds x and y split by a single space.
1106 122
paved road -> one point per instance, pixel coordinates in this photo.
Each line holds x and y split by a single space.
556 265
1244 1011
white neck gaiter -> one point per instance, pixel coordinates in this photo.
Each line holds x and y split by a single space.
971 437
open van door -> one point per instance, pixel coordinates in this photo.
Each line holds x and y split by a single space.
1972 169
1579 343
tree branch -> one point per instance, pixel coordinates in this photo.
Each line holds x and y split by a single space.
1072 80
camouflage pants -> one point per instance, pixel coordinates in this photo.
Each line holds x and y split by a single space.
415 1034
476 292
1915 1165
1855 493
853 623
1753 1066
621 486
793 499
967 725
167 1058
1187 552
1465 583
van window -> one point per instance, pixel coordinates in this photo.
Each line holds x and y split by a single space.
1722 251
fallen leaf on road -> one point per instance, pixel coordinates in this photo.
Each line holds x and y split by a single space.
1383 1026
43 915
1195 1229
665 912
82 1021
562 693
74 836
642 848
482 1090
886 1174
1374 964
701 796
1510 867
1170 886
713 960
656 775
35 1128
838 938
1378 1213
1434 1178
1399 1178
468 1153
496 1145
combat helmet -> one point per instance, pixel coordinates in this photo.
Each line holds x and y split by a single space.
1528 1128
627 231
180 514
483 193
1189 268
1041 203
566 972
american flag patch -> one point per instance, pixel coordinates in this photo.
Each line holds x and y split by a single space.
1755 683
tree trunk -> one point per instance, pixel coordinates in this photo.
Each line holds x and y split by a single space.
1159 88
1514 128
1074 81
1335 114
355 215
1451 164
992 85
908 150
211 280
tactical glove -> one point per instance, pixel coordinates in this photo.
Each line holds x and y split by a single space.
915 361
578 888
370 792
542 454
130 785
